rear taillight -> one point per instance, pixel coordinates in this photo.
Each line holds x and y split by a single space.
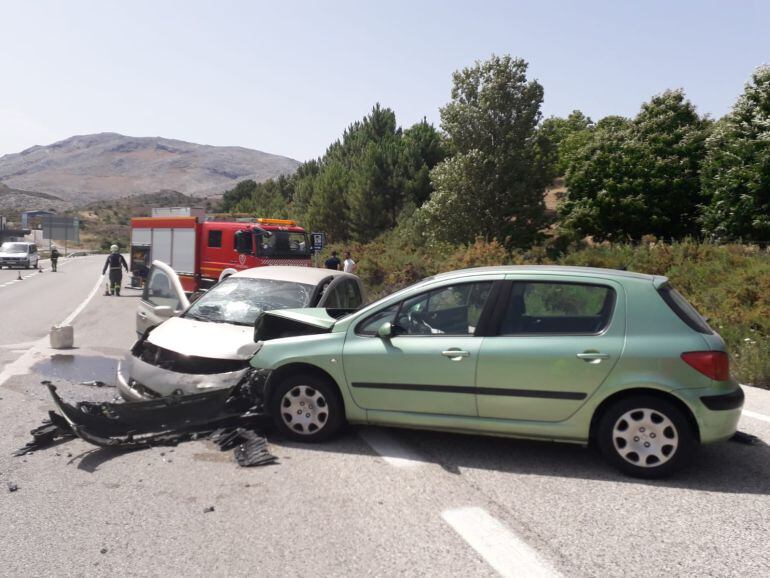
713 364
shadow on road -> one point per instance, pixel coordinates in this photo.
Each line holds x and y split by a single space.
78 368
91 460
726 467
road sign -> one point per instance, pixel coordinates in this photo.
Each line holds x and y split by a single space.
59 228
319 240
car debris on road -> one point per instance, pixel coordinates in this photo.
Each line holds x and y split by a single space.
95 383
232 418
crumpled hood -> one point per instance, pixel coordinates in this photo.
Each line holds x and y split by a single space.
280 323
202 339
313 316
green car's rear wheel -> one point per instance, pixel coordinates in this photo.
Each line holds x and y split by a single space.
307 408
646 437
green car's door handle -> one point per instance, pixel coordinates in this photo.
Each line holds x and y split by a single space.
593 356
455 354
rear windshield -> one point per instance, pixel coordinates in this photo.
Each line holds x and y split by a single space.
684 310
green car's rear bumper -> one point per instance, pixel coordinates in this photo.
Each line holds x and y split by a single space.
716 411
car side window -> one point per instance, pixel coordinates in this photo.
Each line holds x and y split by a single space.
352 294
558 308
335 298
215 239
452 310
345 295
159 291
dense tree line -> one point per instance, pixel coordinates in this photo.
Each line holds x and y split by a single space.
366 183
667 172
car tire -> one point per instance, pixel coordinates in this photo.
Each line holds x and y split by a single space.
307 408
646 437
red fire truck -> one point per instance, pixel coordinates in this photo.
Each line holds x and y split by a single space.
201 249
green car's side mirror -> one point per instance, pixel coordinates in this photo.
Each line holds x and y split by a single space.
386 330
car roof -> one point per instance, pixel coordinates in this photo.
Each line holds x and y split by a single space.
308 275
549 269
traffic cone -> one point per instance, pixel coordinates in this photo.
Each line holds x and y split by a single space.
19 277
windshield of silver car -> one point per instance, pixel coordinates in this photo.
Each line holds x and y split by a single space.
240 300
13 248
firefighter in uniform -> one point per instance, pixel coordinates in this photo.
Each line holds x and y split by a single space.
114 262
54 258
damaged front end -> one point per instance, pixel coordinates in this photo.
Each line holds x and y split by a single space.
149 371
164 421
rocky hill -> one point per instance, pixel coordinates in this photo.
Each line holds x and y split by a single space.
14 200
105 166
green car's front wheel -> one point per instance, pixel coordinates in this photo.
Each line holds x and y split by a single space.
307 408
646 437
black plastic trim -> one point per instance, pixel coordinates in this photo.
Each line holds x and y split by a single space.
473 390
725 401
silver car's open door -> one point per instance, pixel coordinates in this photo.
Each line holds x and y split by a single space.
162 297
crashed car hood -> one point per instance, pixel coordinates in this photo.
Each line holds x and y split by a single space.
291 323
204 339
315 317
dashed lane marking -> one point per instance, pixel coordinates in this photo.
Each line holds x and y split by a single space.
501 548
391 451
34 273
755 415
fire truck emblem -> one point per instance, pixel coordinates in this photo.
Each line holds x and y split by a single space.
242 258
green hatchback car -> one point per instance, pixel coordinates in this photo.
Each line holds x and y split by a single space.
567 354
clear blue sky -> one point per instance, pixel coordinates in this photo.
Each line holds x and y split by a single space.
287 77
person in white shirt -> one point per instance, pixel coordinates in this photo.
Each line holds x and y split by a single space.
349 266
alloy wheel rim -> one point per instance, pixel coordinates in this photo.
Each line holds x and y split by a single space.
645 437
304 410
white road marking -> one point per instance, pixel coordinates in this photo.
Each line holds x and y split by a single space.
755 415
391 451
18 346
500 547
34 273
27 360
82 306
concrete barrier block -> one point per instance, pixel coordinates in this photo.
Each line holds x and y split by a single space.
62 336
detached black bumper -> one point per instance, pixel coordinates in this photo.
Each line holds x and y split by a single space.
725 401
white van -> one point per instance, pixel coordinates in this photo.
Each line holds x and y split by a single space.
18 254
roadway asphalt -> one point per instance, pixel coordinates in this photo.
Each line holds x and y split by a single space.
372 502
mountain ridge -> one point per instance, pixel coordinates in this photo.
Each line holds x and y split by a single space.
103 166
